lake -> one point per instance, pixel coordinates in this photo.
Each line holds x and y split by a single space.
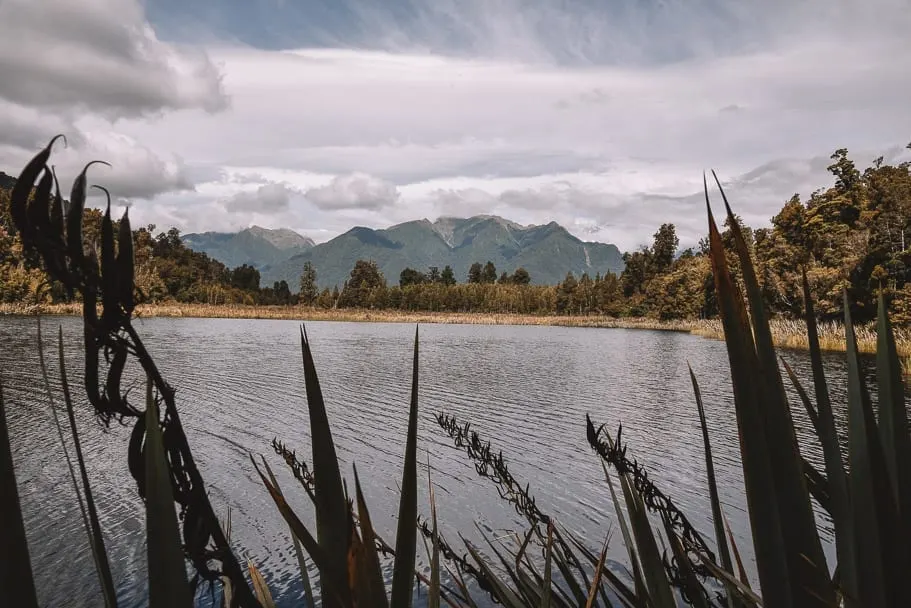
239 384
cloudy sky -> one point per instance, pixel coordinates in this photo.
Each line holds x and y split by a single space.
318 115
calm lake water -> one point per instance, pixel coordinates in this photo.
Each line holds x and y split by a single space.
239 384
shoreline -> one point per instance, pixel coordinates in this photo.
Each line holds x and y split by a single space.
786 333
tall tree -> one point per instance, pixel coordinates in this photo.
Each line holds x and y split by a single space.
433 274
664 248
608 294
309 290
566 294
447 277
245 277
846 174
410 276
521 277
364 278
282 292
636 271
584 295
489 274
475 272
325 299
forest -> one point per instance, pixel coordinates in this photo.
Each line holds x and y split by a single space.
853 235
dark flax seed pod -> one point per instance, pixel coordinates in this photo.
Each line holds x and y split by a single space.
74 218
23 187
39 208
136 455
125 264
112 386
110 293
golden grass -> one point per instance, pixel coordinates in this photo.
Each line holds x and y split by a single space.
303 313
786 333
791 333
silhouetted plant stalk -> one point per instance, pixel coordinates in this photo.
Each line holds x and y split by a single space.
614 453
304 476
104 271
459 561
493 466
298 468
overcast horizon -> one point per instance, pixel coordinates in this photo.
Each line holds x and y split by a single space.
321 115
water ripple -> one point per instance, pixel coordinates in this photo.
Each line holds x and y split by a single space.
526 389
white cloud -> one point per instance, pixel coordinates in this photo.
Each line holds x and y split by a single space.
603 120
73 67
354 191
267 198
100 55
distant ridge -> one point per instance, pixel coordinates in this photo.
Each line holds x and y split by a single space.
6 181
254 246
547 251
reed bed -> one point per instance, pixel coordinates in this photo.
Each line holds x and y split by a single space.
305 313
786 333
792 333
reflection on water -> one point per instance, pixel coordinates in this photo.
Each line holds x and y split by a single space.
527 389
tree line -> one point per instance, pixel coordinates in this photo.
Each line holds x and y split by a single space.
166 269
854 235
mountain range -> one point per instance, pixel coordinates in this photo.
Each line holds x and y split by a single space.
547 251
255 246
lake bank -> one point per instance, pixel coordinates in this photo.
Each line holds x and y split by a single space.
786 333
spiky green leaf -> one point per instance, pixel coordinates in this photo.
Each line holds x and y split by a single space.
331 506
596 579
371 568
881 561
299 554
168 587
806 560
893 417
839 491
720 540
504 594
433 593
260 588
628 541
40 205
659 588
548 559
99 551
765 518
406 533
16 582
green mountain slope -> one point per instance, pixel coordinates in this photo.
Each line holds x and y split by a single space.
255 246
547 252
6 181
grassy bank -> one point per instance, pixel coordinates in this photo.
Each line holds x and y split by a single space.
787 333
